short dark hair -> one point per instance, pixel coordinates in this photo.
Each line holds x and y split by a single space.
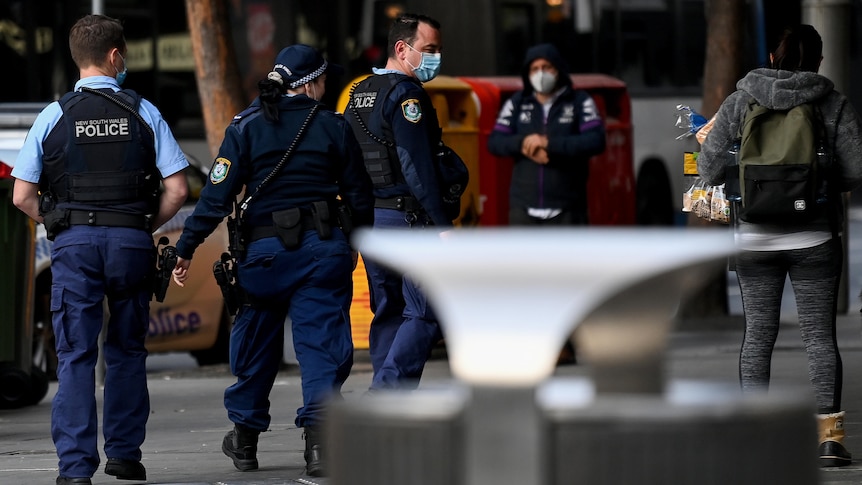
92 37
404 28
800 49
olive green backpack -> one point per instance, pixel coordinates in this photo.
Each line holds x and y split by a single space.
782 165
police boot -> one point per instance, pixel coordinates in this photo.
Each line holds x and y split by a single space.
126 469
74 481
313 436
831 437
240 444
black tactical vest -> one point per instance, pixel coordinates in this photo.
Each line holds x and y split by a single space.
378 149
100 154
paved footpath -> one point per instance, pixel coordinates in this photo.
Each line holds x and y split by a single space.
188 420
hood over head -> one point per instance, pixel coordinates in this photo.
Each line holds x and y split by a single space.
552 55
782 90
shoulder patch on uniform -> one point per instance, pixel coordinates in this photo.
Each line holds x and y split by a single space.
411 110
218 173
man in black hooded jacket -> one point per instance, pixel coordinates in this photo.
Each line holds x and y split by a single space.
551 130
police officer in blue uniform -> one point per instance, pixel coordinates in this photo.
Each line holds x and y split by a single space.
90 170
297 260
397 126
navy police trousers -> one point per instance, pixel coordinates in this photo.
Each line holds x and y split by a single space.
87 264
313 285
404 328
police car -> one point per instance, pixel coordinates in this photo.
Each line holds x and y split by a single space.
191 319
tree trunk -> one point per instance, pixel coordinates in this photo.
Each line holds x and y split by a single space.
218 79
721 71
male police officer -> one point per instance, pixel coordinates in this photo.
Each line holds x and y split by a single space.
90 170
397 127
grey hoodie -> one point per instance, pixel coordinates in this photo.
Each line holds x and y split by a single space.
783 90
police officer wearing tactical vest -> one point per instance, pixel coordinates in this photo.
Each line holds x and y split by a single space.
90 170
294 159
395 122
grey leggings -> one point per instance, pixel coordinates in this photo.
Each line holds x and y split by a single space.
814 273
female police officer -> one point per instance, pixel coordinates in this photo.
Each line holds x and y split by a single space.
296 260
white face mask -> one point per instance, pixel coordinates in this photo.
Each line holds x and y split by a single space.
543 82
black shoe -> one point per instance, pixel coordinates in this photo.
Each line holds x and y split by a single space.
240 444
833 453
313 436
74 481
126 469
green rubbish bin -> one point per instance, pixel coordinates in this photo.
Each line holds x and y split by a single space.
21 384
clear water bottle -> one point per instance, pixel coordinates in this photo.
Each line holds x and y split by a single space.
731 182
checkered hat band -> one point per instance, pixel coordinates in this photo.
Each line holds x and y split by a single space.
308 77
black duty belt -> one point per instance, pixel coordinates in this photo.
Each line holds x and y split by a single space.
108 218
401 203
262 232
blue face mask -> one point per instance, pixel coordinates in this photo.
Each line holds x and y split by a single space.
428 67
121 75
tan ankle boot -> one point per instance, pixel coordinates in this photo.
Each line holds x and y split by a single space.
830 429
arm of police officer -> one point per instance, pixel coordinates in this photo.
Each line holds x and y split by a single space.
584 142
28 165
216 201
416 150
170 162
25 196
176 191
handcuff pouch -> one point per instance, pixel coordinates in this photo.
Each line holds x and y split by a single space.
288 227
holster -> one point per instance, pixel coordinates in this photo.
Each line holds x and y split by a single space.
288 227
165 263
56 221
224 270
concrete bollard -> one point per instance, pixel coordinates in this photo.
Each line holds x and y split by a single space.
507 299
398 438
698 433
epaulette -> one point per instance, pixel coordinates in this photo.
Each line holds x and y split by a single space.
248 111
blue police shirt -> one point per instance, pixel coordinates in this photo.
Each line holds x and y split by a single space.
169 157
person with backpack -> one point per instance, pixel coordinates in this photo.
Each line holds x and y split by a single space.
799 144
551 130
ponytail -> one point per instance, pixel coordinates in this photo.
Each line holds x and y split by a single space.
271 91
